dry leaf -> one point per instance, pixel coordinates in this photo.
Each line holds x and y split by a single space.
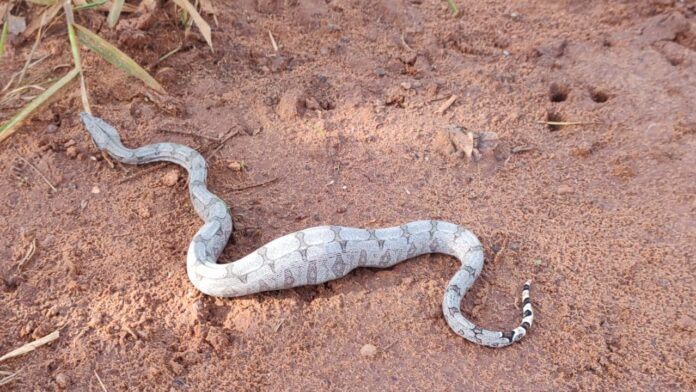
46 18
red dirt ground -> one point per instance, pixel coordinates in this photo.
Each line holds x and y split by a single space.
601 216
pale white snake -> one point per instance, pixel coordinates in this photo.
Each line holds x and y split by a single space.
313 255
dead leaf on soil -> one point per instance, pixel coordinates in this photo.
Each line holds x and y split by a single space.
46 18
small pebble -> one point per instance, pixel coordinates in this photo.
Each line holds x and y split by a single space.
368 350
582 150
71 152
235 166
170 178
686 323
62 380
95 189
564 189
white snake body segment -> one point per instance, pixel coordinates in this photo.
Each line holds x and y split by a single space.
313 255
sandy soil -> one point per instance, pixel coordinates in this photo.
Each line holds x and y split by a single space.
601 216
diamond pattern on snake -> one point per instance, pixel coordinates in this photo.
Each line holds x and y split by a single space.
314 255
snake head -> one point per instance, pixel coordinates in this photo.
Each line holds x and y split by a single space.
102 132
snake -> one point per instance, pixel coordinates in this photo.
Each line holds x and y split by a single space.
315 255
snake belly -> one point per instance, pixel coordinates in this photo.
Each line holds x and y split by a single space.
315 255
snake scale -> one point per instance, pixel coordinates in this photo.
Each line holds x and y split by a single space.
313 255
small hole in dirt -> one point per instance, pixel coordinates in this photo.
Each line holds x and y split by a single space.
553 117
599 96
675 61
558 93
10 284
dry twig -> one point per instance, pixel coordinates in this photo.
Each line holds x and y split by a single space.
273 41
214 139
31 346
38 171
103 387
10 377
243 188
446 104
28 255
222 142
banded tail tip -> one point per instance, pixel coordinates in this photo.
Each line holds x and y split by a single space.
527 315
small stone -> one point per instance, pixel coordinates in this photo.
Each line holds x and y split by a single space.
218 339
368 350
406 85
464 141
312 104
486 140
380 72
27 329
409 58
170 178
144 212
395 97
443 144
292 104
686 323
69 143
71 152
235 166
564 189
62 380
95 189
50 128
582 150
16 24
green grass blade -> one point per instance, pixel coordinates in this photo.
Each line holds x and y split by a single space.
3 37
89 6
75 47
453 7
11 126
114 13
202 25
114 56
42 2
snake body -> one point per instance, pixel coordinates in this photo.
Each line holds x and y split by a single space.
313 255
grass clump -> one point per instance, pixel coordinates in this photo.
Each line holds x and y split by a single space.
49 11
